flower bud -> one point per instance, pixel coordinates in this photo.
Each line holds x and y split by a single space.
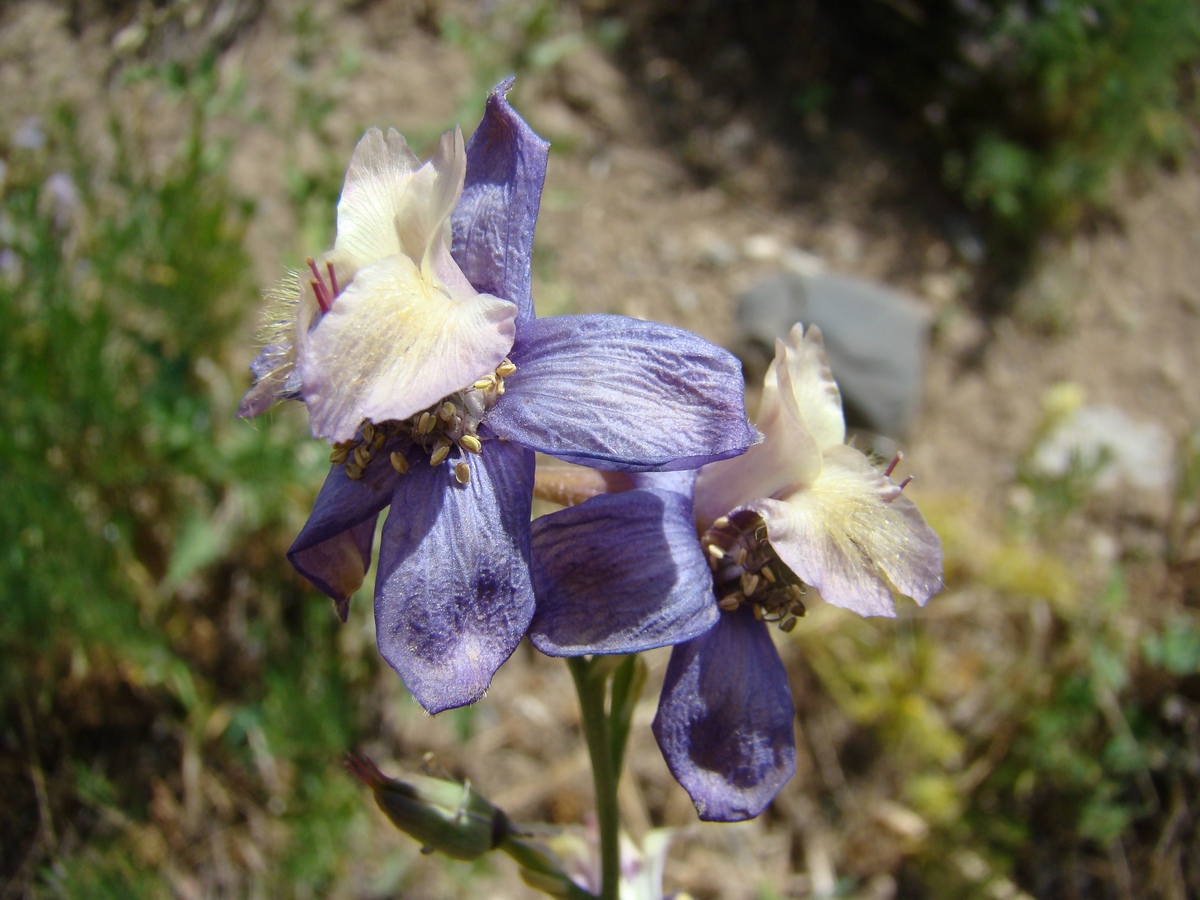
444 816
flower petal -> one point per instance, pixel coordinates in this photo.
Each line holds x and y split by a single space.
453 595
802 379
377 179
851 525
622 394
799 414
787 460
620 573
333 550
494 220
724 721
392 345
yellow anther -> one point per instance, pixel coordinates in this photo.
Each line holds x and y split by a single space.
484 383
505 368
438 456
730 602
749 583
462 473
399 463
715 552
470 442
362 456
368 431
426 423
446 413
766 573
788 624
353 471
339 455
378 441
721 522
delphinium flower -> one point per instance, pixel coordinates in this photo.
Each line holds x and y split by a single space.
415 347
709 561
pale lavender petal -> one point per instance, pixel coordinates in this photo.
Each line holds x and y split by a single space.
853 524
620 573
494 220
724 721
453 595
622 394
333 550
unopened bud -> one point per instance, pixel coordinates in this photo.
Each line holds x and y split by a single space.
444 816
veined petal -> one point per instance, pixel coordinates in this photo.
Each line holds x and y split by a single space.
852 524
805 384
392 345
620 573
787 459
494 220
800 413
724 721
333 550
376 183
453 595
622 394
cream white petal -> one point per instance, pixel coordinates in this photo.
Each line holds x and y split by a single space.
785 461
393 344
852 525
377 183
806 384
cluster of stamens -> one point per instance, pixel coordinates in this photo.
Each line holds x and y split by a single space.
454 422
747 571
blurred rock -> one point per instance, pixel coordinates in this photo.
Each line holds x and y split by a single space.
1124 451
875 336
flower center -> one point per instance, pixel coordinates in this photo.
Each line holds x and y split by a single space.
450 424
746 570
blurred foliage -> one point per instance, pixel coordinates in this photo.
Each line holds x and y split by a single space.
1025 109
161 674
1037 103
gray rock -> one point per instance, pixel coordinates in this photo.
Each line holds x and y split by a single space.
876 338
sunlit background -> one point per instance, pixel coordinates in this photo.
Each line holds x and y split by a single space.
1023 175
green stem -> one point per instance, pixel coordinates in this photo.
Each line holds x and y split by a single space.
592 687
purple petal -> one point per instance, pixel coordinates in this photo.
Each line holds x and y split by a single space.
274 378
618 393
494 221
620 573
333 550
453 595
724 721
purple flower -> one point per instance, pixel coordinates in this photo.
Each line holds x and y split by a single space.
437 384
707 561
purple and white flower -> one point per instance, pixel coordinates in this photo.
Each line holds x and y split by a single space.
706 562
415 347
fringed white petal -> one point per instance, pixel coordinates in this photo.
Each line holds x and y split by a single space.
393 344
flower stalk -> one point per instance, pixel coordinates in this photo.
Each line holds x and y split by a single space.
607 696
